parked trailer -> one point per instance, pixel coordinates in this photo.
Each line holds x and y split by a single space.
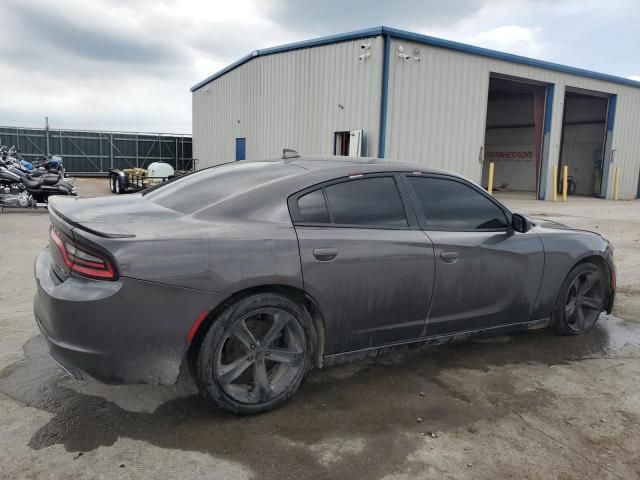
136 179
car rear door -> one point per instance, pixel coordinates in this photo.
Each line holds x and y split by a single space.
365 260
487 274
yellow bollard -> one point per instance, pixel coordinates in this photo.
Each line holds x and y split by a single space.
565 178
490 181
616 184
555 183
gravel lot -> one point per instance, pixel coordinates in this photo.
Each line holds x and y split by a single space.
525 406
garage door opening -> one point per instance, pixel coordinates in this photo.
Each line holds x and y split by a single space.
584 135
514 135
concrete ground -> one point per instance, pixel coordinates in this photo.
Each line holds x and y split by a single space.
524 406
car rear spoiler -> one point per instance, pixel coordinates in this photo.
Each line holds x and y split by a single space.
105 230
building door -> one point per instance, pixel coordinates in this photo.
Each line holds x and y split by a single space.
240 148
355 143
516 133
585 146
341 143
348 143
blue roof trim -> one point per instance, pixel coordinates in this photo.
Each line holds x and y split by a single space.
225 70
425 39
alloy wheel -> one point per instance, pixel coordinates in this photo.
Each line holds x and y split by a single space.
260 355
585 301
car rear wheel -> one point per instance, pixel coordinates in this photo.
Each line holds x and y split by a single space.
256 354
581 300
112 184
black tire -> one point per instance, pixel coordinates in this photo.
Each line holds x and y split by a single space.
571 187
580 301
112 184
118 189
256 354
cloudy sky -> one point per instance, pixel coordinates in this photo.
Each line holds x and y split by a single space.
128 64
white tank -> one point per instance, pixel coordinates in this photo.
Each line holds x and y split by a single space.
161 170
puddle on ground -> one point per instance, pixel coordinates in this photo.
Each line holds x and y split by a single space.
371 404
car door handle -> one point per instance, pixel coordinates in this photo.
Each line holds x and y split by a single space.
449 257
325 254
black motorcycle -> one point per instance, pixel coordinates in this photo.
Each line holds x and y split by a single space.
13 194
19 189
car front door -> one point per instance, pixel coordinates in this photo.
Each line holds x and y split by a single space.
487 274
365 261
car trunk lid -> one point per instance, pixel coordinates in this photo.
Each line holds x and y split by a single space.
111 217
83 231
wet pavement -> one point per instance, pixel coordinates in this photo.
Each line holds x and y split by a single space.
370 409
528 405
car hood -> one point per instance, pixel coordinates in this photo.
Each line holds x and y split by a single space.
111 216
546 223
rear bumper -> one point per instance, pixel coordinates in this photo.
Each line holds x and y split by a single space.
127 331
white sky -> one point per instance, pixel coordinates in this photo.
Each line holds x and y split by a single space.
129 64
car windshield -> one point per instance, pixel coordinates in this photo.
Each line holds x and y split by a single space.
195 191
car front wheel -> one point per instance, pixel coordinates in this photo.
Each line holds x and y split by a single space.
256 353
581 300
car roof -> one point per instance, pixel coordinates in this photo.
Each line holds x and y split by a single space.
364 164
267 199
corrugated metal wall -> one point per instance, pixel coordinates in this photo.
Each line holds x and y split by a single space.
436 107
95 152
295 99
437 111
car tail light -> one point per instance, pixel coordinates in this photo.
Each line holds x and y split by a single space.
83 260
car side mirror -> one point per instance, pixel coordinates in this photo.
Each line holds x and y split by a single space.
520 223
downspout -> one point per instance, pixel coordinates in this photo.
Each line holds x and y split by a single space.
384 95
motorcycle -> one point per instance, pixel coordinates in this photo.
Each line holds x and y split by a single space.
51 164
13 194
21 188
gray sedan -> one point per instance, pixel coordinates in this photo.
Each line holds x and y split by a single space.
253 273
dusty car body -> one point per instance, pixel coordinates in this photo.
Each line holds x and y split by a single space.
133 287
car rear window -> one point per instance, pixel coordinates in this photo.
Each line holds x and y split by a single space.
204 188
367 202
313 208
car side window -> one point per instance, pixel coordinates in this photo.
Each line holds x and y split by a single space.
313 208
367 201
452 205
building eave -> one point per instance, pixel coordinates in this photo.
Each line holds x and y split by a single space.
426 40
315 42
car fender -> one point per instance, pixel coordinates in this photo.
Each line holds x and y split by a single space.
564 250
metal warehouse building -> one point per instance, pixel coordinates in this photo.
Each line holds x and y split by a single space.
395 94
